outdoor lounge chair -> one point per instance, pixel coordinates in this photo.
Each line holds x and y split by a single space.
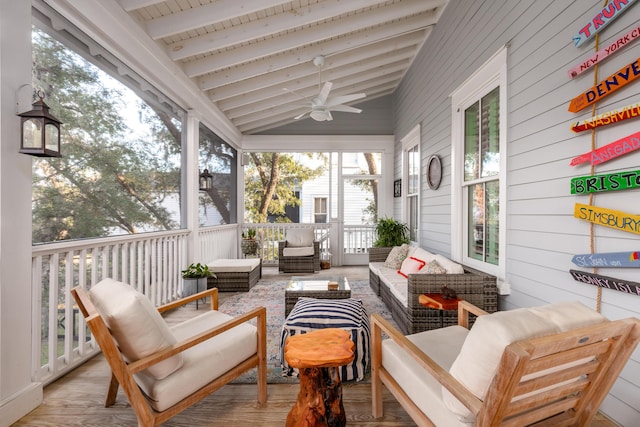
163 370
299 252
543 366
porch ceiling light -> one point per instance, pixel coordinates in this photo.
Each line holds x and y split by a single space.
40 131
206 180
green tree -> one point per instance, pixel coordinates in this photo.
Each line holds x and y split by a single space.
110 176
270 182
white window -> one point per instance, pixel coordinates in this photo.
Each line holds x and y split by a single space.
320 210
479 167
411 172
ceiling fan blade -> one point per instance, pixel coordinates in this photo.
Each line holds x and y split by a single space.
299 116
293 92
344 98
346 109
329 116
324 92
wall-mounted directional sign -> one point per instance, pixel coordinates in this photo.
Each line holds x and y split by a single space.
615 81
605 182
600 55
608 118
606 282
608 259
610 151
608 218
610 12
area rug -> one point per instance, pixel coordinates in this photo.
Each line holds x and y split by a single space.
270 294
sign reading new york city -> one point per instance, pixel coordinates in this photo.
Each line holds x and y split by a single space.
606 87
600 55
610 117
605 182
606 282
610 12
610 151
608 218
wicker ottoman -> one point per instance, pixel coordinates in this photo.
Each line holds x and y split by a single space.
349 314
235 275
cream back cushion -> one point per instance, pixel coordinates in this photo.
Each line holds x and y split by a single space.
298 237
480 355
135 324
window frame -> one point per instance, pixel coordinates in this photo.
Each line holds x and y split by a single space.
409 142
486 78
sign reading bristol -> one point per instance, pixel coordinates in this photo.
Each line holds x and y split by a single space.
605 182
610 12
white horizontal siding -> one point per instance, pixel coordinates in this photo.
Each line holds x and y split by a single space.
542 234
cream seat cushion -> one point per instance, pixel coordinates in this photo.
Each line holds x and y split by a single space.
442 345
480 355
242 265
202 363
298 251
136 325
300 237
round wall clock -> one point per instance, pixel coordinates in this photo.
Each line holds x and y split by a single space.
434 172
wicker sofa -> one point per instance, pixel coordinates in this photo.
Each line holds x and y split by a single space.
474 286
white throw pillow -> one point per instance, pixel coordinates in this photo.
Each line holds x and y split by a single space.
299 237
409 266
136 325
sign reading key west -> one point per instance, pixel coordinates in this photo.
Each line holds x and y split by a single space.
608 218
605 182
610 12
615 81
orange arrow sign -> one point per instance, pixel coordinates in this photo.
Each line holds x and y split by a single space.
607 86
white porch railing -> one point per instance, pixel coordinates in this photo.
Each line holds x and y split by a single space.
150 262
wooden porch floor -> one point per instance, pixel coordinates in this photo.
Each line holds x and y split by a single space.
77 399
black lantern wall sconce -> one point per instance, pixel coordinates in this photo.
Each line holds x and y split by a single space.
40 130
206 180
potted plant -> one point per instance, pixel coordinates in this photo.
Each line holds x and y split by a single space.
249 244
391 232
194 278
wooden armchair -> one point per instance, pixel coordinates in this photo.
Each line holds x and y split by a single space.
163 370
543 366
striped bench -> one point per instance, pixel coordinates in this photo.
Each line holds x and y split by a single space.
349 314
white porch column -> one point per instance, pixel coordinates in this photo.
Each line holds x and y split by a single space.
18 394
191 185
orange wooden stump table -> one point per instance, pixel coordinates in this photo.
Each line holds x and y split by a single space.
317 355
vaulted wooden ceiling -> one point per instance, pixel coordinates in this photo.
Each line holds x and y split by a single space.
254 58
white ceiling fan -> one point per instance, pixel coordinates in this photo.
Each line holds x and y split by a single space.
322 104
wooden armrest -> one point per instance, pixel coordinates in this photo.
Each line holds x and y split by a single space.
260 313
464 308
213 292
441 375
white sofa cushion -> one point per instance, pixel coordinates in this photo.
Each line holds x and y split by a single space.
136 325
423 255
442 345
202 363
451 266
242 265
298 251
299 237
480 355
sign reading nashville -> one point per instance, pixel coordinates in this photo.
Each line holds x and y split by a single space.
608 218
610 117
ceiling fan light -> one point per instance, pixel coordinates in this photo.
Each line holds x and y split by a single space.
319 115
